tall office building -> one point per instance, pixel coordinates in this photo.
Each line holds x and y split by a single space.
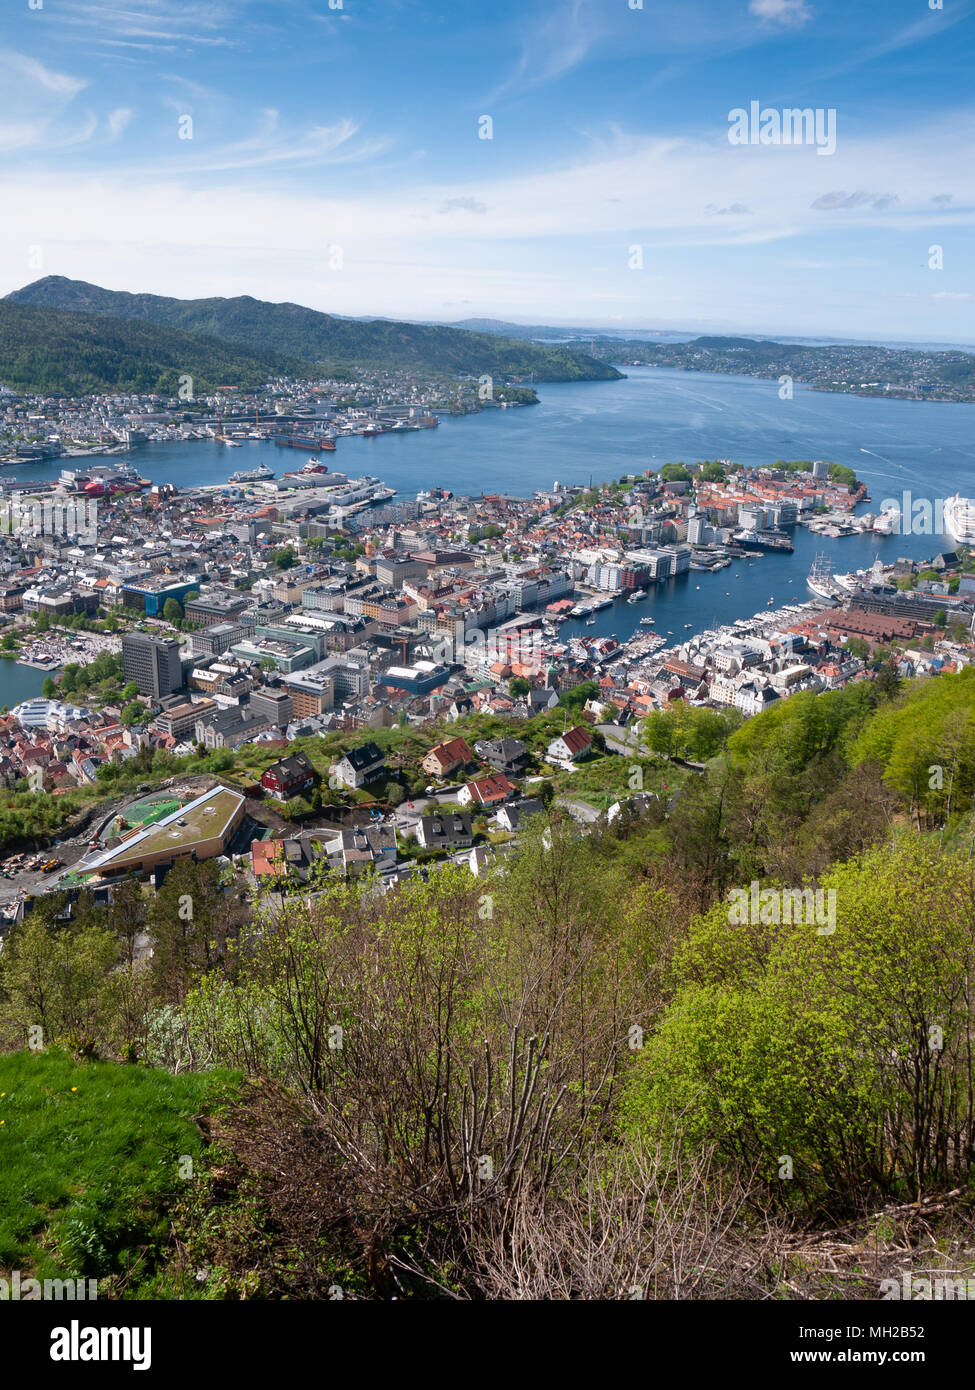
153 663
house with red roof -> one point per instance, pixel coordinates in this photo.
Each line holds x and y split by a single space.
491 790
445 758
572 746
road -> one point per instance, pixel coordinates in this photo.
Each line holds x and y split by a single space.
618 740
580 810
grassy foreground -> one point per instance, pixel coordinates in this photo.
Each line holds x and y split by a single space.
93 1155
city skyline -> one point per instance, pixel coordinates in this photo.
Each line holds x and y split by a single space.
333 157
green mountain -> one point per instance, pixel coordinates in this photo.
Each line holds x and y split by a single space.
73 354
333 344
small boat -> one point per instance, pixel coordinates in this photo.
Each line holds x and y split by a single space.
697 586
687 625
590 622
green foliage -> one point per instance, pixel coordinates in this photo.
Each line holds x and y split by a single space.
91 1157
223 340
685 732
61 353
173 611
575 697
789 1040
924 742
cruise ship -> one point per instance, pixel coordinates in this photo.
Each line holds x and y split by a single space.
888 521
260 474
361 490
960 519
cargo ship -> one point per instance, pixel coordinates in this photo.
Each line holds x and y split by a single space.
303 441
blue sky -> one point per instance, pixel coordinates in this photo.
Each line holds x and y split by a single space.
335 158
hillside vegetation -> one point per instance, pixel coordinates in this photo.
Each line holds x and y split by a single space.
330 344
56 352
582 1075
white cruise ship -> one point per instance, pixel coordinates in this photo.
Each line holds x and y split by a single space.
960 519
888 522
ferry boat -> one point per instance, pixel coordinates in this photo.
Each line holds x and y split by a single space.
259 474
637 595
960 519
763 540
602 603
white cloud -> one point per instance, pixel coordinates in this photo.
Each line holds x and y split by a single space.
118 120
31 73
161 22
791 13
555 243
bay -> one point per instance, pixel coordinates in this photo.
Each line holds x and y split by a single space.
602 430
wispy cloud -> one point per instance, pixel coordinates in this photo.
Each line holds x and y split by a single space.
270 146
553 43
464 205
34 74
831 202
159 22
118 120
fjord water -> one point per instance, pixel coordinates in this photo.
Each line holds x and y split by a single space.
653 416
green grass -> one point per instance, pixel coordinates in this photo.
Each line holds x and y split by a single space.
601 780
90 1158
152 809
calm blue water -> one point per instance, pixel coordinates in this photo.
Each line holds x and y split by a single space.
19 683
653 416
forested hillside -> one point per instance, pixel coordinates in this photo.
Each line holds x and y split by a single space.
332 344
55 352
585 1075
